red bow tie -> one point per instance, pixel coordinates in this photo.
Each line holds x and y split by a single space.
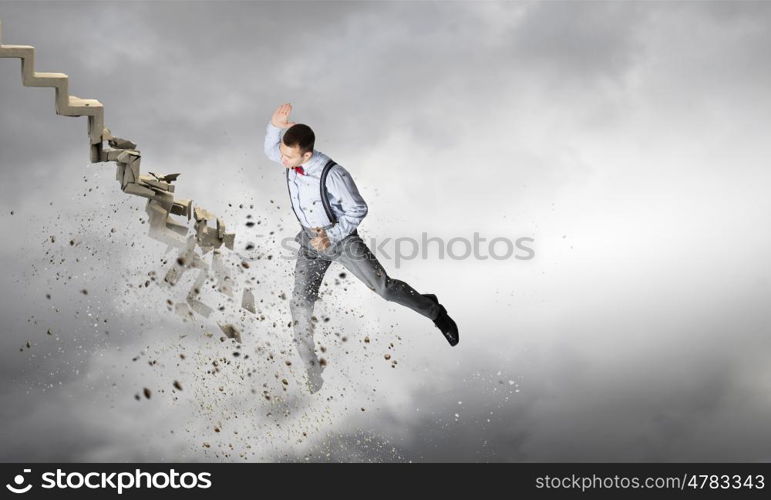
299 170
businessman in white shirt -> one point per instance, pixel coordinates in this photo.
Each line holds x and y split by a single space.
329 218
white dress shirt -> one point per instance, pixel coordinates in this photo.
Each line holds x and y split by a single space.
305 194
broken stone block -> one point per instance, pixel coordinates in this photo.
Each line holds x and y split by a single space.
200 227
136 189
229 239
220 273
133 164
199 307
96 126
247 301
186 259
128 157
166 200
201 214
231 332
152 182
175 226
128 175
157 214
131 169
159 226
183 310
118 143
119 170
173 275
207 239
182 207
195 292
112 154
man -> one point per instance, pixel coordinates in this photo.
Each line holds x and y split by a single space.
329 217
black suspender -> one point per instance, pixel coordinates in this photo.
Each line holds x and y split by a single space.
323 192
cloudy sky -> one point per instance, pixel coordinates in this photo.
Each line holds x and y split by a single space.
628 140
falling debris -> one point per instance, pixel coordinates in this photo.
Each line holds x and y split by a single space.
177 385
231 332
209 237
247 301
147 392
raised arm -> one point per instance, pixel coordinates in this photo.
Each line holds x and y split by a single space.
279 121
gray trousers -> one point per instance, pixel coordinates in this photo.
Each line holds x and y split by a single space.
354 255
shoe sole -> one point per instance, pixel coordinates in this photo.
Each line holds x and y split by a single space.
453 342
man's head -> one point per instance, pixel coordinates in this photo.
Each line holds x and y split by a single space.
297 145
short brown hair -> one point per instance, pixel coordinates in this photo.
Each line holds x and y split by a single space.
300 135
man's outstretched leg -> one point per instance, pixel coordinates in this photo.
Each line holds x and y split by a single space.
359 260
308 274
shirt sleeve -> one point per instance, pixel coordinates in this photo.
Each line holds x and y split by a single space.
340 184
272 140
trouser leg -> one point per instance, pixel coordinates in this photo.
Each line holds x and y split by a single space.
359 260
308 274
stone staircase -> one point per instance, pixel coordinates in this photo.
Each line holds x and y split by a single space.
157 189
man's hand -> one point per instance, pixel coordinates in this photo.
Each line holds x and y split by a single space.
280 117
321 241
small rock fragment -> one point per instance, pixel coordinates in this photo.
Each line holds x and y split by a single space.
231 332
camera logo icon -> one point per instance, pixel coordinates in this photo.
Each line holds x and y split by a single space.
19 481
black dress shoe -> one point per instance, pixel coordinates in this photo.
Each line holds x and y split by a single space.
444 322
448 327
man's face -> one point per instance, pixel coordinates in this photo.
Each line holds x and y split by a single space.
291 157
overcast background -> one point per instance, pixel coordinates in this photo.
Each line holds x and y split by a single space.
629 140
